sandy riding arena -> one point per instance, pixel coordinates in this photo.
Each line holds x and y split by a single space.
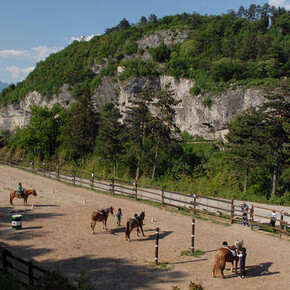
56 232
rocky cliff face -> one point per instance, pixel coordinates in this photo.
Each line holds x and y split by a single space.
18 116
191 113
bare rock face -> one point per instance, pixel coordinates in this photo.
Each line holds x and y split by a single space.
18 116
167 36
191 113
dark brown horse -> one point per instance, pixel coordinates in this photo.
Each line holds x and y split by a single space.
135 222
26 193
100 216
224 255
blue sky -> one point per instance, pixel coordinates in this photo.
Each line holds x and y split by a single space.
30 30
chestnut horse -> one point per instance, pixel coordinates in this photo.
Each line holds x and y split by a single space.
100 216
26 193
224 255
135 222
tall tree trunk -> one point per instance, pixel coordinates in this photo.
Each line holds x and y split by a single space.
114 167
246 178
155 160
138 167
140 154
275 175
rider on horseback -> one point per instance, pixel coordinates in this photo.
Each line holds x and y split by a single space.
20 189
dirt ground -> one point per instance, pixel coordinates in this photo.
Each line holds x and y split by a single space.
56 232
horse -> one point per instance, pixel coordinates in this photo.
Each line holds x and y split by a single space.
135 222
26 193
224 255
100 216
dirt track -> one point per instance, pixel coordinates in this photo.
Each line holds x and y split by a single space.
57 233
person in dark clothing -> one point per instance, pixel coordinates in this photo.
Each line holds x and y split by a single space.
118 215
242 255
245 209
273 220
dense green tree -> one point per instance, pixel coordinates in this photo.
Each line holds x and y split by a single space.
41 136
152 18
143 20
161 53
245 137
277 119
5 136
109 143
164 129
81 128
137 120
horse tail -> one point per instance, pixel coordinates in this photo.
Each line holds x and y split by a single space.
127 229
219 262
11 198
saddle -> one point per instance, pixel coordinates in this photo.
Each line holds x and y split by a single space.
233 250
102 212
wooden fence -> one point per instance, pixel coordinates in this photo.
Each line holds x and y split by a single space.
211 207
27 271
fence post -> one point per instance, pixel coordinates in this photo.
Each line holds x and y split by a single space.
194 204
74 177
136 190
4 260
57 168
252 216
156 246
162 197
192 235
281 223
30 273
113 185
92 181
232 211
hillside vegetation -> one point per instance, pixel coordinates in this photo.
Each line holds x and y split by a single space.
250 48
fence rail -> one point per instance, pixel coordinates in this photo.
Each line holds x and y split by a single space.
30 272
211 206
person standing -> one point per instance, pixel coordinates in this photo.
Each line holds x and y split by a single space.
273 220
245 209
118 215
242 255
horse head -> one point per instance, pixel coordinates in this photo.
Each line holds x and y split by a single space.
34 192
142 215
239 244
111 210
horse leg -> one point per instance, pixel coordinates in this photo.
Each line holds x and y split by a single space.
138 231
142 231
222 266
213 269
93 224
25 201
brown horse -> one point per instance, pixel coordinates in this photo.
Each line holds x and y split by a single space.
135 222
100 216
26 193
224 255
